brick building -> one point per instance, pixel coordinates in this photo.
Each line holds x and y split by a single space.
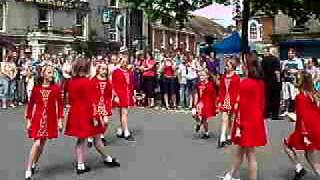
187 39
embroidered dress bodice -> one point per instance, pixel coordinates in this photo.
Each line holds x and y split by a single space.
101 105
227 100
43 130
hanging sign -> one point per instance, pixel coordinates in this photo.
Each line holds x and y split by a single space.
65 4
107 16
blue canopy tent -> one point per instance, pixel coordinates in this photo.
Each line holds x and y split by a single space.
229 45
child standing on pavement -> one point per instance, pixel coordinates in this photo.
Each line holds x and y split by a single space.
206 104
227 100
44 116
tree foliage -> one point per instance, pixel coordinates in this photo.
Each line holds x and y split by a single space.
168 11
301 10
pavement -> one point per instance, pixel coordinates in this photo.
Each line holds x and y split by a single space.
166 149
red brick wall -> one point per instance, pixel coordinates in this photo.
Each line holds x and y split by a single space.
268 28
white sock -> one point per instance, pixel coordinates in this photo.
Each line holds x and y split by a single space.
28 174
126 133
102 136
34 166
229 137
108 158
207 133
227 177
223 136
81 166
299 167
119 131
90 140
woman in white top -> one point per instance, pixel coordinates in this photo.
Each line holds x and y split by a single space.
193 67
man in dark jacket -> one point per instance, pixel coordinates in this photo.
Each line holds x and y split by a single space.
271 67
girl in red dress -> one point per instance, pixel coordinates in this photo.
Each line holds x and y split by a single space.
44 116
123 96
83 118
227 100
103 97
206 105
306 136
249 130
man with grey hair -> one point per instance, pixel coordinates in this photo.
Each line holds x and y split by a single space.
271 68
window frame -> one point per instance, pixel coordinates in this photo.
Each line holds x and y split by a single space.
116 5
84 33
49 17
252 30
3 6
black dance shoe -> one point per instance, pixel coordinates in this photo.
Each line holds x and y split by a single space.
300 174
222 144
34 170
120 136
113 163
82 171
28 178
197 129
130 138
90 144
229 142
205 136
104 141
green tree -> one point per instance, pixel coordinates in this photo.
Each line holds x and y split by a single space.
168 11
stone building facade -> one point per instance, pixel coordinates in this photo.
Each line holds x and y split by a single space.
52 26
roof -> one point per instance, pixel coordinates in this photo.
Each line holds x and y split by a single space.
200 26
206 27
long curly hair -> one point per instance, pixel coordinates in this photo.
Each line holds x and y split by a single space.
305 84
39 76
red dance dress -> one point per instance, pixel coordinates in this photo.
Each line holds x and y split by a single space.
249 126
307 124
44 109
123 87
228 92
207 100
82 111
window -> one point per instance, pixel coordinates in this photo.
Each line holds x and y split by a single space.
114 3
253 31
43 19
80 23
2 16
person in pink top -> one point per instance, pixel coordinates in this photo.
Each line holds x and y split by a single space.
148 76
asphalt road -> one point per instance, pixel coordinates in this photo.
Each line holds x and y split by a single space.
166 149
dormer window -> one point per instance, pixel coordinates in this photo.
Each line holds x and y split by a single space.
114 3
